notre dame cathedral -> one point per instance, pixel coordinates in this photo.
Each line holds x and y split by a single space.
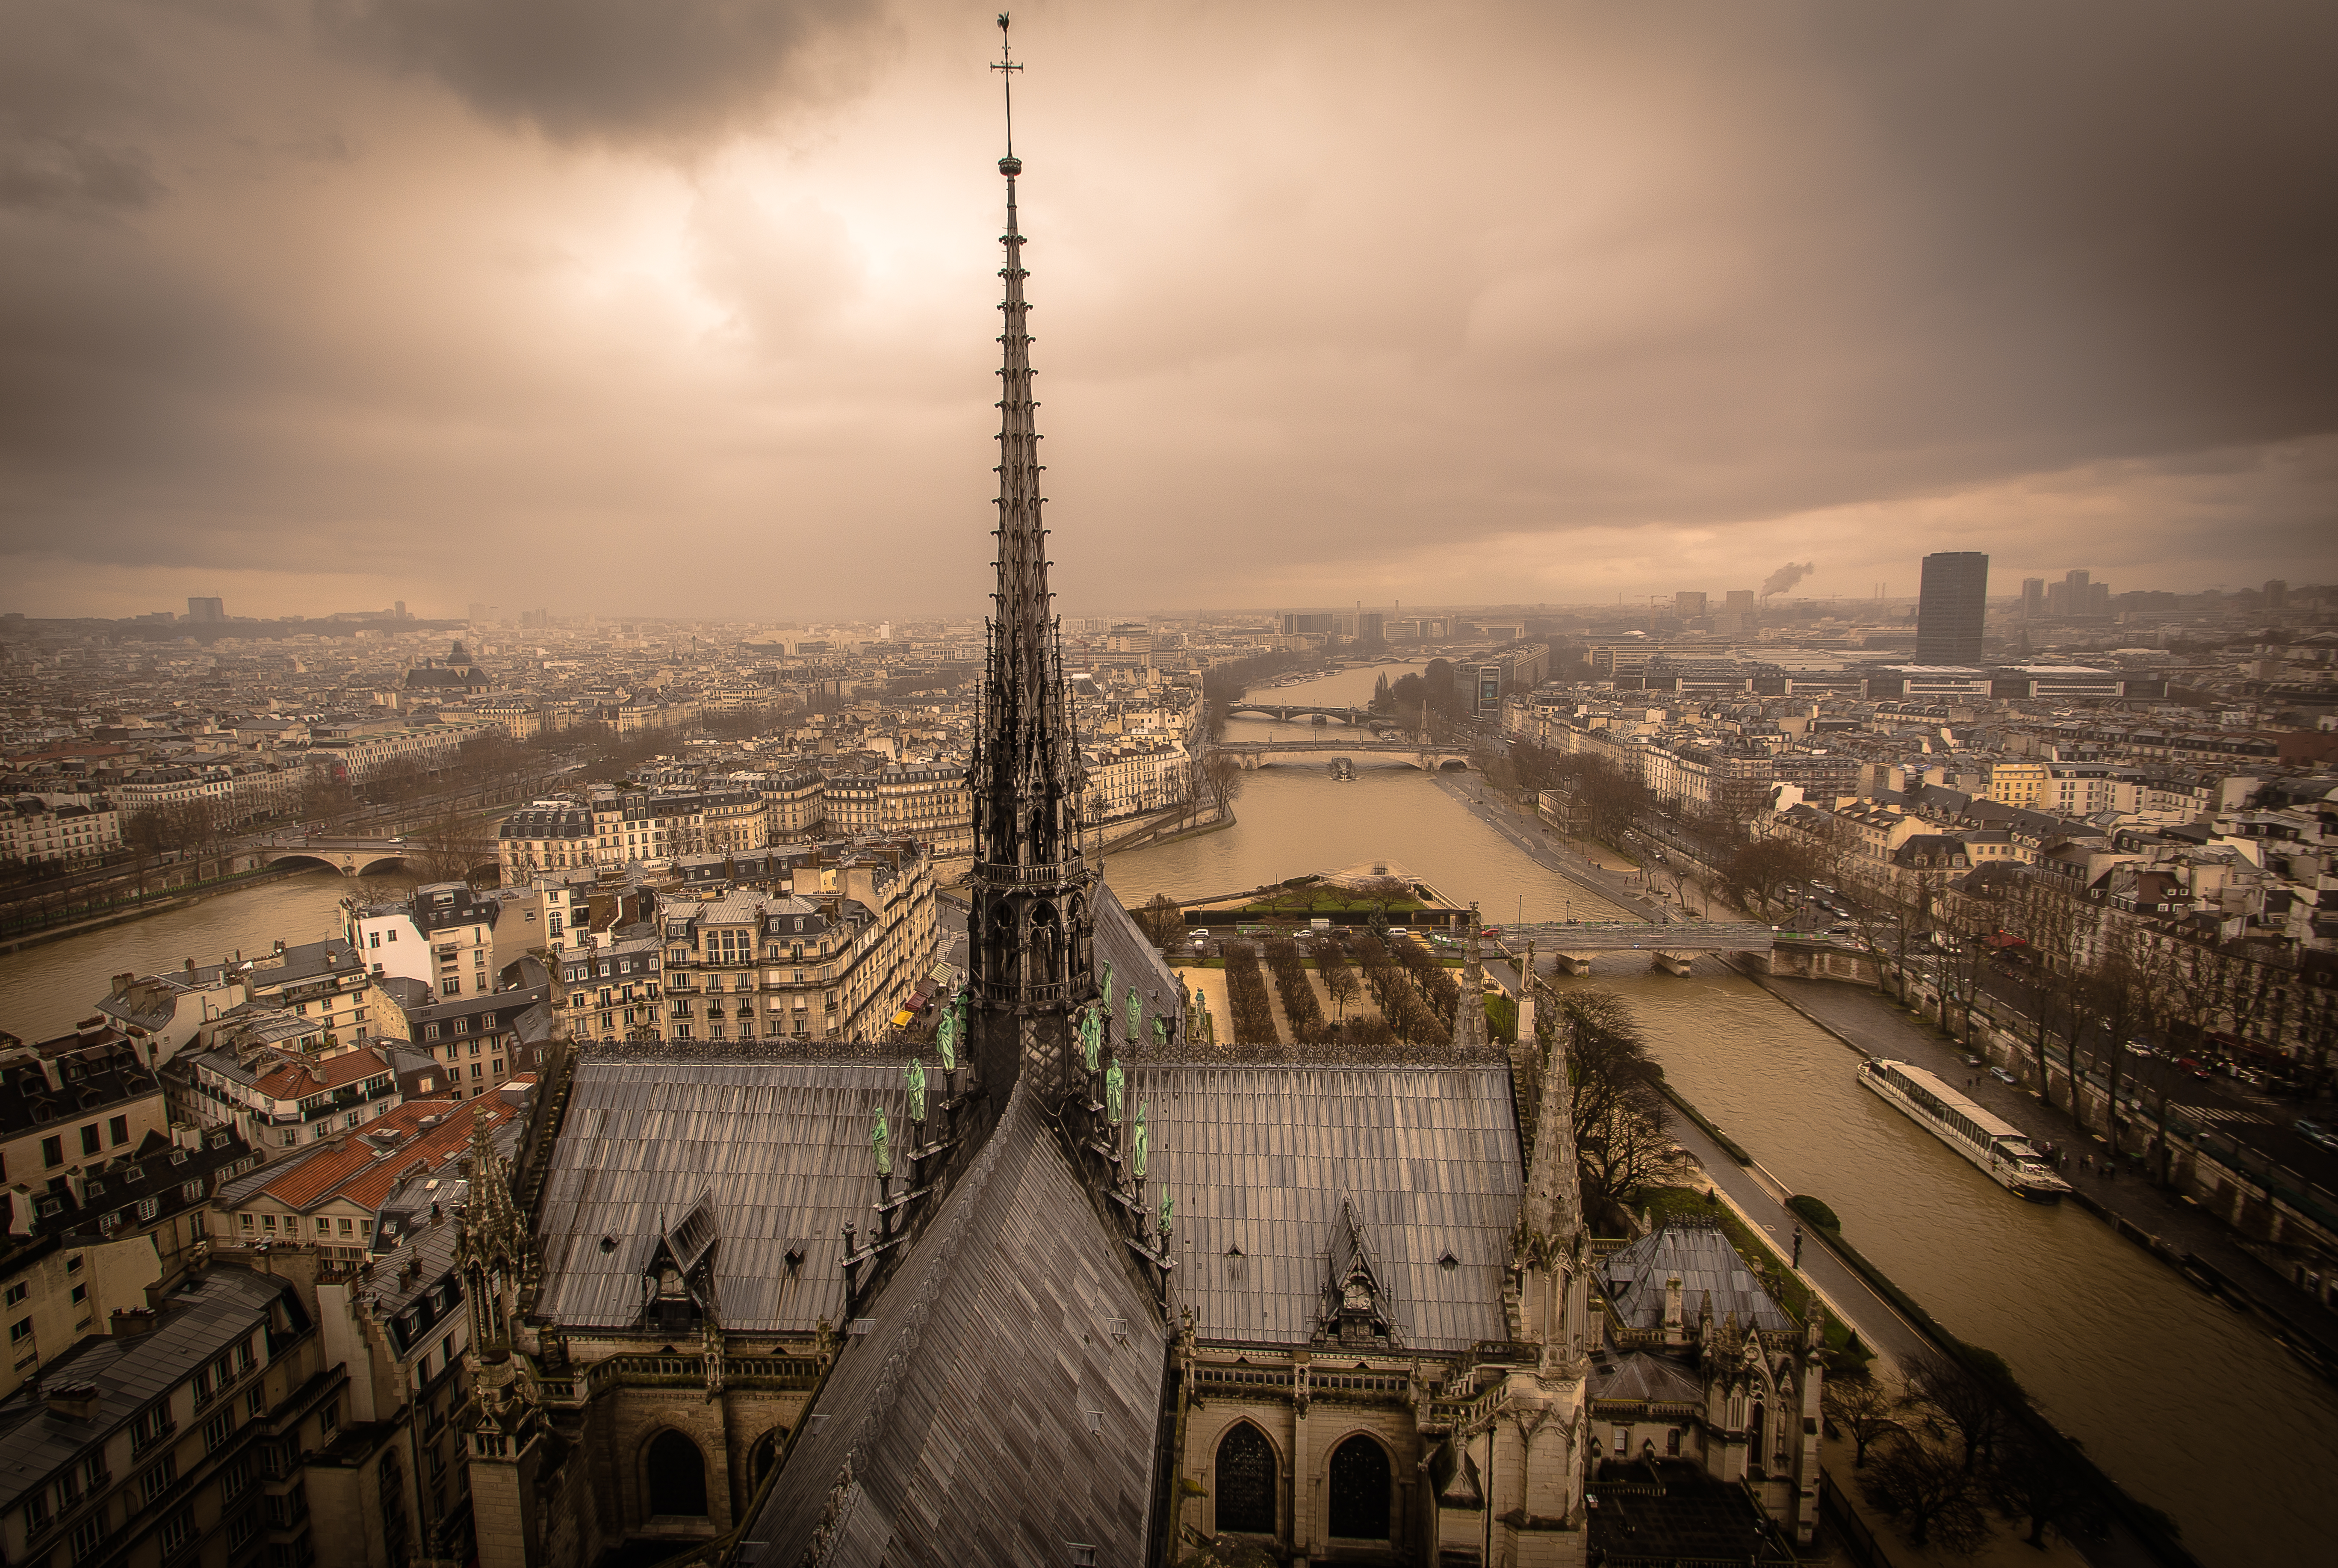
1076 1290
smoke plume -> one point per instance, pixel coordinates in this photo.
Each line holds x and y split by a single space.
1786 576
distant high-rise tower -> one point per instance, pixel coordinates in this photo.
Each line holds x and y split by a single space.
2033 598
1032 928
206 609
1688 606
1950 607
2277 594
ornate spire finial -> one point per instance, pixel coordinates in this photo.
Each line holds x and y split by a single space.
1006 66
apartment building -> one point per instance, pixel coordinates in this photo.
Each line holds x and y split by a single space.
277 1100
443 935
795 804
932 805
332 1196
398 1325
835 962
35 831
1134 777
482 1041
177 1437
432 748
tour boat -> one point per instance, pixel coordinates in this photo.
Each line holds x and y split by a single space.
2001 1150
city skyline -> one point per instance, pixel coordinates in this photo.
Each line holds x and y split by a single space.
371 305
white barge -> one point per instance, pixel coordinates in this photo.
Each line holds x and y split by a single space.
2001 1150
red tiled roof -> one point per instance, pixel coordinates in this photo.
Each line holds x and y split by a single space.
358 1172
293 1081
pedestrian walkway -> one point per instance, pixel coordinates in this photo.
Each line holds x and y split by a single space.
1869 1022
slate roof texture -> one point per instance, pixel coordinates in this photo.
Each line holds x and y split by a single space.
1262 1159
783 1146
966 1414
1705 1261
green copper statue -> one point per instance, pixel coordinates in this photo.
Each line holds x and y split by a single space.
1160 1034
1091 1034
1168 1214
953 1028
881 1142
916 1074
1143 1139
1112 1091
1136 1015
1106 992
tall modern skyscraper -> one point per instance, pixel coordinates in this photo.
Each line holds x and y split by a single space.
206 609
1032 931
1950 606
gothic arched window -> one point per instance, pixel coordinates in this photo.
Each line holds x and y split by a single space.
1245 1481
1360 1490
676 1473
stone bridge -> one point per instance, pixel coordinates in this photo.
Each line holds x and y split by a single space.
351 857
1286 711
1428 757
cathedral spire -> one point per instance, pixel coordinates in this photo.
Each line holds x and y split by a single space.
1031 926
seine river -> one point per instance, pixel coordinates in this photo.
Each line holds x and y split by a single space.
2186 1402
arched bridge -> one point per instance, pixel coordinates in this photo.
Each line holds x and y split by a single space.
349 857
1428 757
1287 711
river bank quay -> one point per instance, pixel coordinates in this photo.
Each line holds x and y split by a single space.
2198 1245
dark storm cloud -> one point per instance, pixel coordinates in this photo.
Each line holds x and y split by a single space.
1553 300
611 70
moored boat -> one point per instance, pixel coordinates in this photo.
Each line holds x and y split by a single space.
2003 1150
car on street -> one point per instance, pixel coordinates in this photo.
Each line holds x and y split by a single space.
2002 1075
2315 1132
1972 1060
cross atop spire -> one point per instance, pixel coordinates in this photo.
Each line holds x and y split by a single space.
1005 64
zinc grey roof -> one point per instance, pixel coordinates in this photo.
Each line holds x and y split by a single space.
1641 1377
1007 1403
1135 962
1706 1262
1263 1158
781 1145
130 1372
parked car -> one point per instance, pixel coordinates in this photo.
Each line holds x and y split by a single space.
1971 1061
2000 1075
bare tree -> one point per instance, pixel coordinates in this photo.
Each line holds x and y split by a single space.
1915 1479
1223 773
1864 1406
1620 1115
2035 1479
1161 921
1947 1388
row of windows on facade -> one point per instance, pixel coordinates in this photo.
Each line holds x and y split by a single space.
88 1479
52 1148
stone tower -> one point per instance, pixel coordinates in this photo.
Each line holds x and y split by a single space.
1032 929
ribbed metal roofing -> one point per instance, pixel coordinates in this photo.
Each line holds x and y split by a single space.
1261 1160
782 1145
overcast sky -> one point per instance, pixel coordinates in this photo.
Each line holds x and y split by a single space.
687 307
